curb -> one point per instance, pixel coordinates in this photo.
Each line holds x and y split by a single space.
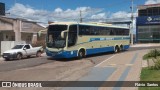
144 45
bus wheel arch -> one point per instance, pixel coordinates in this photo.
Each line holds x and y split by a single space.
81 53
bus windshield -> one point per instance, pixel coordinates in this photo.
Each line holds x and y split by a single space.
54 39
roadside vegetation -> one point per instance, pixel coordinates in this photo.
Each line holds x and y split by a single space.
152 72
153 55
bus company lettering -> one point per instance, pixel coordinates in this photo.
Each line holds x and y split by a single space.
14 84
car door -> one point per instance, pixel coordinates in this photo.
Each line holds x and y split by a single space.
28 51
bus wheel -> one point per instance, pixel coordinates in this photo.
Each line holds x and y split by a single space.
121 48
81 54
116 50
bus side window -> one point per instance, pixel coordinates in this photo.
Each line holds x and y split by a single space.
111 32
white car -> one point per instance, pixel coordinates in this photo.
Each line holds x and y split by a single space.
22 50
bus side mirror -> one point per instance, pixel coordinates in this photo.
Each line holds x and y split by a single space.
63 34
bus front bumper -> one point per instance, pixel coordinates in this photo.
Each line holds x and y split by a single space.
61 54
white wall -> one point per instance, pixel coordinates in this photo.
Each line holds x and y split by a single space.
7 45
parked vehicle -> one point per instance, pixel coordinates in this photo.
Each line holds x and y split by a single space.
22 50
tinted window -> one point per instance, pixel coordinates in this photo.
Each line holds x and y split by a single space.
18 47
120 31
84 30
95 30
27 46
54 39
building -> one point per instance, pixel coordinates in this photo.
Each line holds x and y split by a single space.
17 29
148 24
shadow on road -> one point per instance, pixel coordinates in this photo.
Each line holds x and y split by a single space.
87 57
24 58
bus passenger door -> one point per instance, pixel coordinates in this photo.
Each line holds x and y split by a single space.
72 35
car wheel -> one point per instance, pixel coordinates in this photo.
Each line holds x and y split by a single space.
19 56
38 54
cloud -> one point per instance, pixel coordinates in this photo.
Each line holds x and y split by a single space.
152 2
121 14
27 12
99 16
58 14
30 13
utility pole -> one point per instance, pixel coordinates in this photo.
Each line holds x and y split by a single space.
132 17
80 16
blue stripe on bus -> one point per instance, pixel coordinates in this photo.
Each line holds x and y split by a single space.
99 50
102 39
71 54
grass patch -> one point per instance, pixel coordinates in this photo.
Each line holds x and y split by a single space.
149 75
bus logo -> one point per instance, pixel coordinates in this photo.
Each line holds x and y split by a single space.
6 84
149 19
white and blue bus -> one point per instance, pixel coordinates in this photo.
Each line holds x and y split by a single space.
71 39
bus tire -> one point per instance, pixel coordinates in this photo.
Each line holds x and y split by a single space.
121 48
116 50
81 54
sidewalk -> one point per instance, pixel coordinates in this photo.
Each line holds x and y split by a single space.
119 67
128 66
145 45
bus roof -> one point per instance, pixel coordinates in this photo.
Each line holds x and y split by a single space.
89 24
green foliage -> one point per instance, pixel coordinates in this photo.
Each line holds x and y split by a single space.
152 54
149 75
156 64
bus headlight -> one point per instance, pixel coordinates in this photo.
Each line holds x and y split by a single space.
60 52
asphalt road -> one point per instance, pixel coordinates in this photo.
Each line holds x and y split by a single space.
24 63
32 62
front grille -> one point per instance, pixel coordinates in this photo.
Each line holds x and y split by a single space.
6 54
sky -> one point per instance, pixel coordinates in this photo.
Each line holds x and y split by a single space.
69 10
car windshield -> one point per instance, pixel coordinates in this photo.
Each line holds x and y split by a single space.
54 39
18 47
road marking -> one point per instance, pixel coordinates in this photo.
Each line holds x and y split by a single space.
104 61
